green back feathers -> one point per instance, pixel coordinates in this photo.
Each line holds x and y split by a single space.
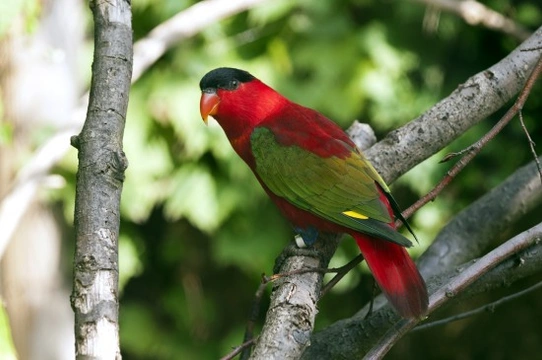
340 190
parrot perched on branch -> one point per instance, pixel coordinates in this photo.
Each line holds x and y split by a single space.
317 177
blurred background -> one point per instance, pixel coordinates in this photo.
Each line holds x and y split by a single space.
197 232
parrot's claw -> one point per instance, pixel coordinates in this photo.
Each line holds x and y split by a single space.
300 242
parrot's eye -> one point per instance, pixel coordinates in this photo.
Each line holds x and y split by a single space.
233 85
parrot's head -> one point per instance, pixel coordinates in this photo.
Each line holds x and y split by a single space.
218 85
236 98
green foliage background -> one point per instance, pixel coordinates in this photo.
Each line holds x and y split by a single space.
197 231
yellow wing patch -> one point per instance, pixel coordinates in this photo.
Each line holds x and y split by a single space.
355 215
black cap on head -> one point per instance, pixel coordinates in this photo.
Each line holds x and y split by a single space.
224 78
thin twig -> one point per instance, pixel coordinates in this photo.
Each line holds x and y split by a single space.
486 308
341 272
236 350
275 277
473 150
254 313
531 145
343 269
372 303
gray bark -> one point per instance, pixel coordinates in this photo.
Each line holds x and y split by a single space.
99 184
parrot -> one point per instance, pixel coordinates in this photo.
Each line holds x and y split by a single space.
316 176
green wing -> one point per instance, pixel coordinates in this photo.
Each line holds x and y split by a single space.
341 190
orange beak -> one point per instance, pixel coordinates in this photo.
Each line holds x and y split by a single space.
208 105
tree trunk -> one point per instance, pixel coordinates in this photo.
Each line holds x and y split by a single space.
99 184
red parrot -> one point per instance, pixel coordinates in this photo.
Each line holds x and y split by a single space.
317 177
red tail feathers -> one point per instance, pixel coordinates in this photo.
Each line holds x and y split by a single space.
396 274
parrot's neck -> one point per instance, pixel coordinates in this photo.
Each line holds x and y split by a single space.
242 111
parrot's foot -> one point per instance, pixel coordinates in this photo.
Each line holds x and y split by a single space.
306 237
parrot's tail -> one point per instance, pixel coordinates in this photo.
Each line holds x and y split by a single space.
396 274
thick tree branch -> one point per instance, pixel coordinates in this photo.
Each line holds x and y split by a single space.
99 185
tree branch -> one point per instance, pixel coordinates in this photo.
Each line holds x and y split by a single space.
183 25
99 185
475 13
481 309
